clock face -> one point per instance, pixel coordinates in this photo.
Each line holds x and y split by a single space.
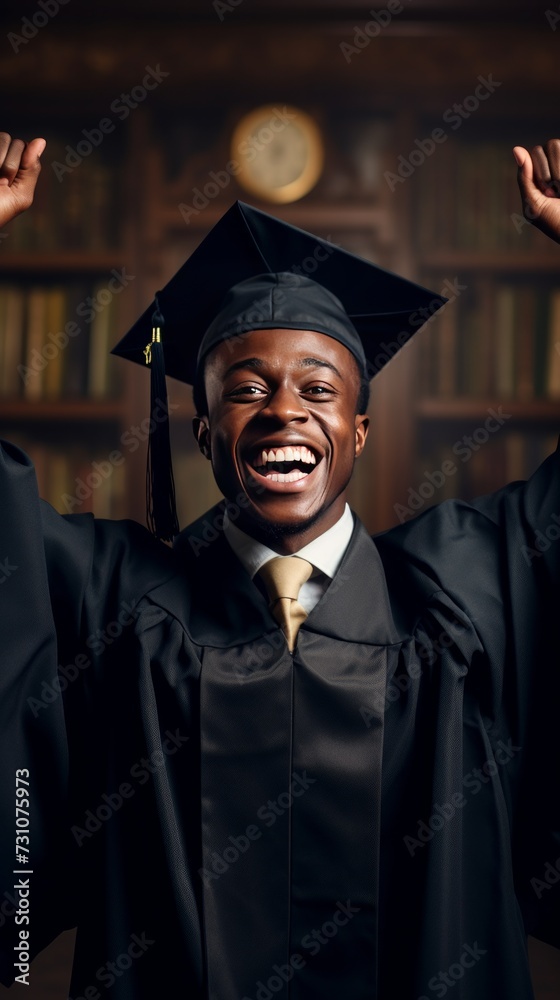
279 152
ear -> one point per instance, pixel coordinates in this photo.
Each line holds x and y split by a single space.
361 425
201 431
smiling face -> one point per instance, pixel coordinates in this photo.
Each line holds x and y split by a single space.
282 431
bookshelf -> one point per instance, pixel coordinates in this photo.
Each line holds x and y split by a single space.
486 400
66 293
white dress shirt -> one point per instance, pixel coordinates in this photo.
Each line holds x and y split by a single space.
325 554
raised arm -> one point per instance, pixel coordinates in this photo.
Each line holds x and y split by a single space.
538 176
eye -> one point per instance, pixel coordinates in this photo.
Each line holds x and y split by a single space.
241 391
318 391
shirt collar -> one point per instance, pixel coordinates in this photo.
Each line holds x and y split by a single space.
324 552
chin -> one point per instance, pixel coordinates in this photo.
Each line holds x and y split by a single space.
275 529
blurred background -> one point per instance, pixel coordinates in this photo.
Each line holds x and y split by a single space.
386 130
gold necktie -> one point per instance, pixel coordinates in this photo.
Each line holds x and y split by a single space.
283 576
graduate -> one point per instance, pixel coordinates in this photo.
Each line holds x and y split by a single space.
306 763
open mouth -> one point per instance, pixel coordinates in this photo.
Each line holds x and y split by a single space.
285 465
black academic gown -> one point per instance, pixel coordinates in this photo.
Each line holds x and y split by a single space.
376 816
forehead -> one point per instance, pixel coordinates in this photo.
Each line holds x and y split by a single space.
281 347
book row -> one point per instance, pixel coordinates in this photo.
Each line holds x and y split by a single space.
75 481
471 465
55 342
467 198
497 340
76 212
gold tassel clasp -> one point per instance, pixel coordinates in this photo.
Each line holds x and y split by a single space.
156 339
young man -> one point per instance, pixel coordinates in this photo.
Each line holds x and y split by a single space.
340 787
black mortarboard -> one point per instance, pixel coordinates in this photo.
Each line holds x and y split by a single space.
246 242
251 272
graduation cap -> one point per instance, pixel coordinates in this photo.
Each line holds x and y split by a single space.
254 272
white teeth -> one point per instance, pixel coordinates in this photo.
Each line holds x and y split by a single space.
288 454
288 477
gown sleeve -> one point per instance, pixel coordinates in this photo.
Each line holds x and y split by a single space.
64 581
528 519
498 560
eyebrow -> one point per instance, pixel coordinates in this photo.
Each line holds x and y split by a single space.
259 364
319 363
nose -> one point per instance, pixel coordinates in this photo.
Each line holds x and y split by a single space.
285 405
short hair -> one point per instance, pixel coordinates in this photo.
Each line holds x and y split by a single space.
363 395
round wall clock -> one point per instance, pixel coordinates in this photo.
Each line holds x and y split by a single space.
278 152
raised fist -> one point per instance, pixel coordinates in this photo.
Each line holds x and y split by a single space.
19 170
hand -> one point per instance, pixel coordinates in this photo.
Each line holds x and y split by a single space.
538 176
19 171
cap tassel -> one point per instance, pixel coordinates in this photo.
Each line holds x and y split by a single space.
161 513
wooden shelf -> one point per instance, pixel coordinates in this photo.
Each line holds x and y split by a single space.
64 409
488 260
470 407
80 262
305 216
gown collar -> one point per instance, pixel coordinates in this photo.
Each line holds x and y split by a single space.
218 604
